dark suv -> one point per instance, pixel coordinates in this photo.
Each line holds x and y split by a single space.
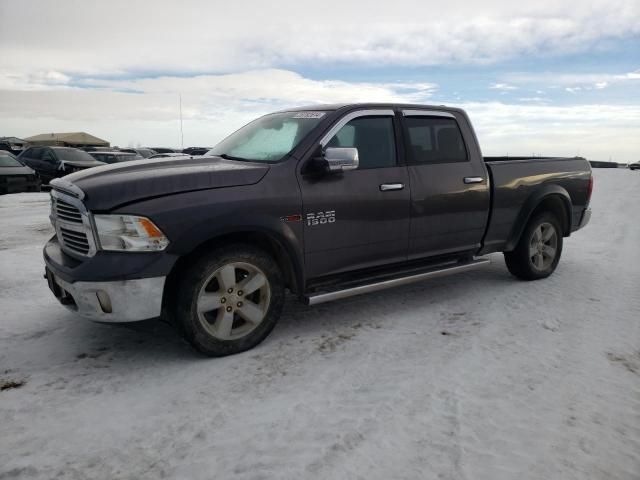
115 157
54 162
143 152
196 150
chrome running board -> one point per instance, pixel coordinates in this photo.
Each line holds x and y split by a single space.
315 299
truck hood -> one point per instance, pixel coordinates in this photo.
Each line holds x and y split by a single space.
110 186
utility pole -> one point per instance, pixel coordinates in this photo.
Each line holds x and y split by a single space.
181 132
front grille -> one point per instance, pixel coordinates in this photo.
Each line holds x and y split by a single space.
74 240
67 212
72 224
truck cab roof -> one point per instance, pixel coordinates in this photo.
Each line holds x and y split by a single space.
349 106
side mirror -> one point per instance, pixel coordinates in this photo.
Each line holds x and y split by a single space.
341 159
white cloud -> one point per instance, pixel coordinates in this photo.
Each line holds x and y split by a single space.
596 132
59 61
597 80
146 110
534 99
215 105
212 36
36 80
502 86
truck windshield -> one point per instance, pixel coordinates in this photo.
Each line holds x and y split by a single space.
269 138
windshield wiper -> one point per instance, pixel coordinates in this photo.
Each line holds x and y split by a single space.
231 157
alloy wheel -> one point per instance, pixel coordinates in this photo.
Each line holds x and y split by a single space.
233 301
543 246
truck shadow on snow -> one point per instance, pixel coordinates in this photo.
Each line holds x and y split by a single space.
321 328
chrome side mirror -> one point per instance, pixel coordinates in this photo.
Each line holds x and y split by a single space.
341 159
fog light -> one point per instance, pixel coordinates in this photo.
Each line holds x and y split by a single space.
105 301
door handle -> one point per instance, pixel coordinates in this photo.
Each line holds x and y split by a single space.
385 187
473 179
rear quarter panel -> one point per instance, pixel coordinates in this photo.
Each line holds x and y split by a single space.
519 185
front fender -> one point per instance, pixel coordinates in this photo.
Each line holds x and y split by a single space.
287 235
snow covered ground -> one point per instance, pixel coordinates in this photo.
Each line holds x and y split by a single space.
475 376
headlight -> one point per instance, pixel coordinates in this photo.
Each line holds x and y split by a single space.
129 233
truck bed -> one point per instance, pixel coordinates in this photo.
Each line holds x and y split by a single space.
516 181
519 159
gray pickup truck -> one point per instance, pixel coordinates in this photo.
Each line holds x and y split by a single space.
325 201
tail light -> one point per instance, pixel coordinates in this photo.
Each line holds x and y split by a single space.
590 188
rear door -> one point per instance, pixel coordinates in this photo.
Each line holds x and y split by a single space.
358 218
449 186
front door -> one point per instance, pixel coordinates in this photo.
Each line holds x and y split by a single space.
50 165
359 218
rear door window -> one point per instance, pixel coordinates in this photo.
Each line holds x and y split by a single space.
48 156
34 153
435 140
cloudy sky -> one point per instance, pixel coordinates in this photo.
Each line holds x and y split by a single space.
551 77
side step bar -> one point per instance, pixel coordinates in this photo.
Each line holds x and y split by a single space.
317 298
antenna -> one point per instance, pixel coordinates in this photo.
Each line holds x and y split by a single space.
181 132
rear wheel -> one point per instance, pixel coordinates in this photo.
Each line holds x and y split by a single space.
538 252
230 300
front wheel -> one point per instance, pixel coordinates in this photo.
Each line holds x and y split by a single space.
538 252
230 300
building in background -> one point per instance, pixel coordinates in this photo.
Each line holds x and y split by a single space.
12 144
69 139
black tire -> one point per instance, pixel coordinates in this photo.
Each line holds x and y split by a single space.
192 284
520 262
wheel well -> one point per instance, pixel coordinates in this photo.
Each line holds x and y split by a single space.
257 239
556 205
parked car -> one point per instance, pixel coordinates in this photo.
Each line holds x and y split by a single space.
143 152
54 162
163 150
196 150
634 166
171 155
97 149
328 202
5 147
115 157
16 177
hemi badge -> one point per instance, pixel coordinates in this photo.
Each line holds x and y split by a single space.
291 218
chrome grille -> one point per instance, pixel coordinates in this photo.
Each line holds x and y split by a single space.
73 225
75 240
67 212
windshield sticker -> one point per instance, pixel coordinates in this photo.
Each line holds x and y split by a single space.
309 115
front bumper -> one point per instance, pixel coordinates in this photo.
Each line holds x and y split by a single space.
109 287
115 301
19 184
